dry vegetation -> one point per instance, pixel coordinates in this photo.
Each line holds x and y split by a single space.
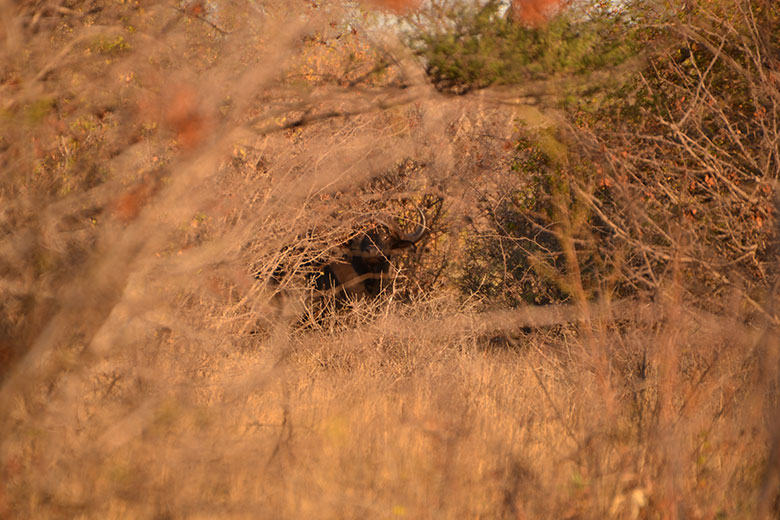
168 172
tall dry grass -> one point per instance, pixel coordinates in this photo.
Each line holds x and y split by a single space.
161 162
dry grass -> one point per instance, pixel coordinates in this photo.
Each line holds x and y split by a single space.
384 420
150 187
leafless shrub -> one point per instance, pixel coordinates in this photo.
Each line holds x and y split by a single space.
688 168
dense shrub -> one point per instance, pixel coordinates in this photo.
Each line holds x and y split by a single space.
468 46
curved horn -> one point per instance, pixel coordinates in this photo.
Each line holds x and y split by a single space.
412 237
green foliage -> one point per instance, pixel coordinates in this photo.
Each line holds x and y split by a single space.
476 46
112 46
37 110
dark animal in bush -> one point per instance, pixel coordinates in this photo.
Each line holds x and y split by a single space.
361 265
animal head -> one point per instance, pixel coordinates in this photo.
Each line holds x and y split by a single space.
364 261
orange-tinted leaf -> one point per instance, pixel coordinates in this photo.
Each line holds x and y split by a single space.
185 117
128 205
534 13
397 6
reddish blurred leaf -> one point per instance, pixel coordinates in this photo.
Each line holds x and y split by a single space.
534 13
185 117
397 6
128 205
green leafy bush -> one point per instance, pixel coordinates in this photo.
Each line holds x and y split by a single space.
476 46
